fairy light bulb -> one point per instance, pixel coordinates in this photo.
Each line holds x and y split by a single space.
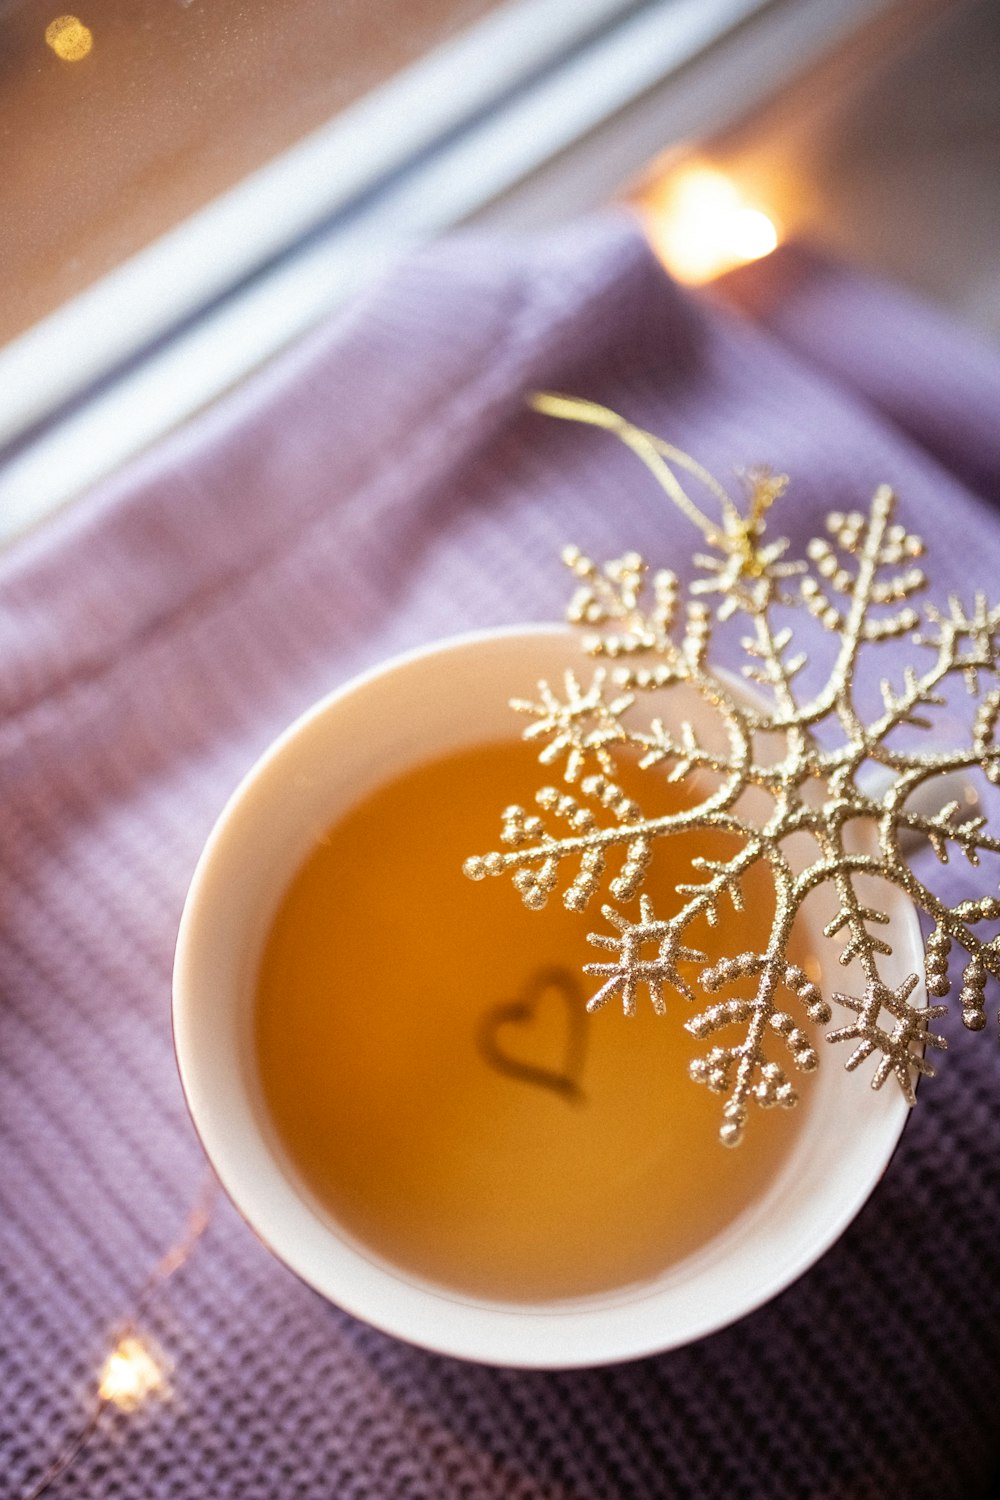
700 224
69 38
130 1374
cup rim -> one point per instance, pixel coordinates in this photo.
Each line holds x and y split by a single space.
628 1323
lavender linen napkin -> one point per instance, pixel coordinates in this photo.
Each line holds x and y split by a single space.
380 486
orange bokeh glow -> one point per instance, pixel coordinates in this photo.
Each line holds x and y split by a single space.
700 224
69 38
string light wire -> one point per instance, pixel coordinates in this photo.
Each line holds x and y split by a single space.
130 1371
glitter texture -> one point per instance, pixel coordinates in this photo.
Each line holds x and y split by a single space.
837 769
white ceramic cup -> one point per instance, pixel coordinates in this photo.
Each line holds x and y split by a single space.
448 697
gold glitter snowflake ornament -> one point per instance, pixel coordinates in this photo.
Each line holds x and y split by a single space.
837 770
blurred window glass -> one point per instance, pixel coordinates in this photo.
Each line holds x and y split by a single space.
121 120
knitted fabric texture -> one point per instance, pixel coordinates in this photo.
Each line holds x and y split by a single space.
378 487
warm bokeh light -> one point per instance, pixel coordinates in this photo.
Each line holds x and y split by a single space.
69 38
701 225
130 1374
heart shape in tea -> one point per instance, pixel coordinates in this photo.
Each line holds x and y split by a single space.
510 1032
450 1104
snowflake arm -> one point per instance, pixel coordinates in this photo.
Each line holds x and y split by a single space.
581 726
966 645
535 862
631 971
743 1071
896 1046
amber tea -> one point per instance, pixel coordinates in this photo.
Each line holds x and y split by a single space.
436 1083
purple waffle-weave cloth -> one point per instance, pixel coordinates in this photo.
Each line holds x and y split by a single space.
380 486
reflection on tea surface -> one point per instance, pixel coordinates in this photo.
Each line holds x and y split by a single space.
429 1065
